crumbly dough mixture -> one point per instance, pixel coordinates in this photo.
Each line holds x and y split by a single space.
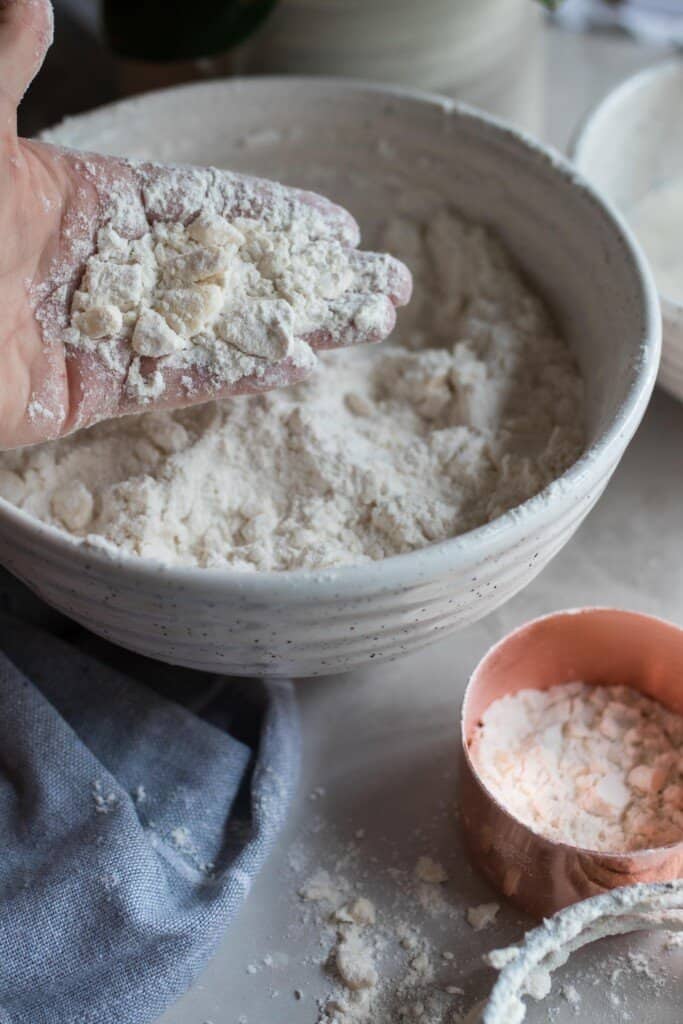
183 293
473 406
231 294
597 766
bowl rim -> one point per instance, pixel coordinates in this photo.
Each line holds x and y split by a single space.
442 557
623 93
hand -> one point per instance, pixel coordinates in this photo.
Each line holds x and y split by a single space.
52 204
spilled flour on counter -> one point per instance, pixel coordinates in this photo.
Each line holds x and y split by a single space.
423 963
383 969
473 406
482 916
600 767
361 943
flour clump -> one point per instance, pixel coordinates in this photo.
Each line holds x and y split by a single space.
225 293
597 766
473 406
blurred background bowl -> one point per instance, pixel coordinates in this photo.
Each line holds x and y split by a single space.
366 147
630 145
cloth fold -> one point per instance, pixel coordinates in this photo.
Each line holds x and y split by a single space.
131 826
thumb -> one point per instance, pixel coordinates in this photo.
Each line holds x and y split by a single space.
25 36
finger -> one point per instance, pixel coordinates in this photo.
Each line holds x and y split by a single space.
103 190
175 194
382 274
367 314
236 195
362 318
182 386
339 224
26 28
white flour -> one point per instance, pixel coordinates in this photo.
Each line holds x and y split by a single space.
482 916
527 969
425 965
228 289
362 944
597 766
474 406
429 870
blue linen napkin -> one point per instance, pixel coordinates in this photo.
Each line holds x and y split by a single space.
131 826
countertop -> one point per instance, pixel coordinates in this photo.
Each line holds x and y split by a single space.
380 757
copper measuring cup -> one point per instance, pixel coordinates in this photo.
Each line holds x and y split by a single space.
602 646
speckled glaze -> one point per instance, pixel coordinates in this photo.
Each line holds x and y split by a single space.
630 142
358 143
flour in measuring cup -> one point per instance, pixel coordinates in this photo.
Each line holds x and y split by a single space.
474 405
600 767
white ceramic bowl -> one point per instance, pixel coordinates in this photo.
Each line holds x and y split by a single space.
363 146
629 144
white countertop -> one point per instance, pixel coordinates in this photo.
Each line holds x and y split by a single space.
382 742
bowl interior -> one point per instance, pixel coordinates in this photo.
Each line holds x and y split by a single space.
378 152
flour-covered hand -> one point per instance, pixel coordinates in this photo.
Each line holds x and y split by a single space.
130 286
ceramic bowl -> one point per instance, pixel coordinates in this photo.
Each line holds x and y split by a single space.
364 146
631 143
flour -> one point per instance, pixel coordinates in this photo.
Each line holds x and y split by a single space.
104 802
354 961
223 293
527 969
597 766
352 955
379 965
571 994
322 888
360 911
473 406
482 916
429 870
419 980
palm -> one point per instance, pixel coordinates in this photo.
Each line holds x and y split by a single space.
31 219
